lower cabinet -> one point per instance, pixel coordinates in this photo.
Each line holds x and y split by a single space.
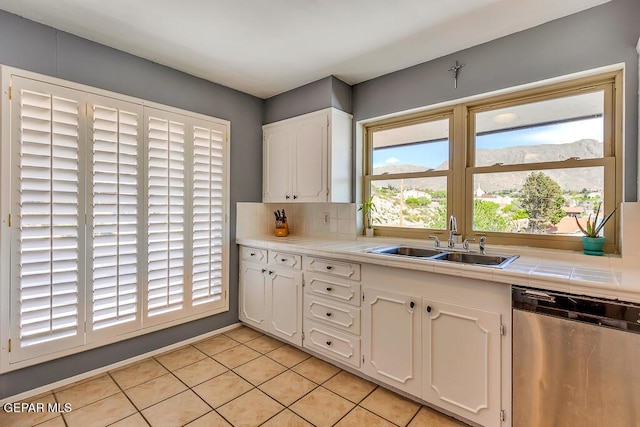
391 339
461 357
253 295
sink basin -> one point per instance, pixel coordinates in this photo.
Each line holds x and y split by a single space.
407 251
499 261
496 261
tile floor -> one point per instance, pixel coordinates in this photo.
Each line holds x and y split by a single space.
239 378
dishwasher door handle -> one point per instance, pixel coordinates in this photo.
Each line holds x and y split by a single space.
539 296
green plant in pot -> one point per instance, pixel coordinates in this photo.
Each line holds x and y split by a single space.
368 207
591 242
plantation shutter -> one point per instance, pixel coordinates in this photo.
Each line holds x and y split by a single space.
166 169
47 267
209 151
114 213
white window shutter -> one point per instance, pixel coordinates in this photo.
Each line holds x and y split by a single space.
114 217
209 207
47 268
166 204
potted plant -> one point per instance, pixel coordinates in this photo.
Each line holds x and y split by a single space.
591 242
368 207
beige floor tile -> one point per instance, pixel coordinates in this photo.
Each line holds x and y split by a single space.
55 422
236 356
212 419
361 417
264 344
101 413
288 387
88 392
25 419
391 406
322 407
135 420
223 388
286 418
316 370
154 391
215 345
250 409
243 334
200 372
132 375
429 418
180 358
349 386
176 411
259 370
288 356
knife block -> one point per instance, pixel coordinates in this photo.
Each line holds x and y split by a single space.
282 229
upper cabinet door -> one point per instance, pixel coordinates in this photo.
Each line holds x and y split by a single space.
277 165
310 145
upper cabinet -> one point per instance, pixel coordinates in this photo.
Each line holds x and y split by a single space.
308 158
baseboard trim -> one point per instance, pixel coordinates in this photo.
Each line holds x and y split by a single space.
70 380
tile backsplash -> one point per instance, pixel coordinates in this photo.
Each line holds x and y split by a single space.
323 220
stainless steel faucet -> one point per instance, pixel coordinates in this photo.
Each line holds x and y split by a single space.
453 228
483 240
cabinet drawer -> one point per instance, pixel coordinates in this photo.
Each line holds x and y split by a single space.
337 345
333 268
253 254
286 260
333 314
341 290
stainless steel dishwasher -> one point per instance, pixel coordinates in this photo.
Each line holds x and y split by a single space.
576 360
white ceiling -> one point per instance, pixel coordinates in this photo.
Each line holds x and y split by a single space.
265 47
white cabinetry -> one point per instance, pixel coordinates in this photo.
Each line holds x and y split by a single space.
332 309
391 338
308 158
271 295
461 360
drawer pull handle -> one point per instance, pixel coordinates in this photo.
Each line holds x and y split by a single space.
283 259
328 342
428 309
328 314
329 289
413 304
329 267
264 270
252 254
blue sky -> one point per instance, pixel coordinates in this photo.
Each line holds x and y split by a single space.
433 154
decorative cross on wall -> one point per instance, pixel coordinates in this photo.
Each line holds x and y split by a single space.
456 70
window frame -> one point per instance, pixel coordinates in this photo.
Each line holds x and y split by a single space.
7 230
462 151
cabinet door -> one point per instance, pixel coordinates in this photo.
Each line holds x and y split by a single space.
310 142
286 304
391 339
276 167
461 355
254 295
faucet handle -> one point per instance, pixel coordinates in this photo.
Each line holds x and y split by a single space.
465 244
437 241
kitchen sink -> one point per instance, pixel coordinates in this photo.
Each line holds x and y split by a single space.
407 251
487 260
499 261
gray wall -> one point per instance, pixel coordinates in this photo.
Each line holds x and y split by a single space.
601 36
324 93
34 47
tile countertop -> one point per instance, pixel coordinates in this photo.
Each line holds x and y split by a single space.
608 276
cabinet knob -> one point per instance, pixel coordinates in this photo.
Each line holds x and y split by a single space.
328 342
328 314
283 259
264 270
252 254
412 304
329 289
295 197
270 272
329 267
287 197
428 309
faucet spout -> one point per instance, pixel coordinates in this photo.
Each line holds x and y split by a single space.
453 228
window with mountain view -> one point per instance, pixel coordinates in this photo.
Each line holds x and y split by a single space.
524 168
